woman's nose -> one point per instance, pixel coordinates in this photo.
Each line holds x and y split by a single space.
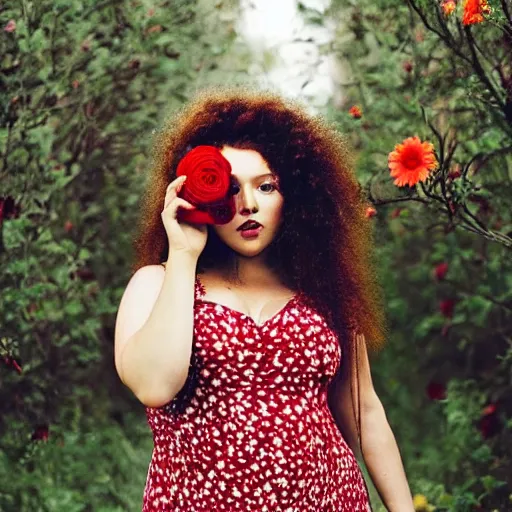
248 203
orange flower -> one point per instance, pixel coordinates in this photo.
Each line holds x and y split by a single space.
370 212
411 161
474 11
154 28
448 7
355 112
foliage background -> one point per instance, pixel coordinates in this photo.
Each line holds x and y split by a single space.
445 377
85 83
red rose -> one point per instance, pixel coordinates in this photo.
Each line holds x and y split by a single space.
407 65
489 423
41 433
207 186
447 306
436 391
440 271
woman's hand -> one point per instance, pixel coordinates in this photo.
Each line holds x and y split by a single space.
183 237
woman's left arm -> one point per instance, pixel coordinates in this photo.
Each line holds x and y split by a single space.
382 458
379 448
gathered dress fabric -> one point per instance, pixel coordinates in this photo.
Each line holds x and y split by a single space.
251 429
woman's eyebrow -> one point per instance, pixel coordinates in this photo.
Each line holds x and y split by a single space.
259 176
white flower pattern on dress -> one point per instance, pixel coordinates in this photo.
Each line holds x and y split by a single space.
251 429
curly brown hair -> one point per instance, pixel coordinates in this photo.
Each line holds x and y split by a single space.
325 246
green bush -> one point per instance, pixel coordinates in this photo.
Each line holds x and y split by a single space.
444 244
84 84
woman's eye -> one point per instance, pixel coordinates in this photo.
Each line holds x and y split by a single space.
269 185
235 188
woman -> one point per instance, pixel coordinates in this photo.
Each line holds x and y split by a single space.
248 347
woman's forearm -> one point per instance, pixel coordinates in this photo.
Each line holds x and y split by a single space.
382 458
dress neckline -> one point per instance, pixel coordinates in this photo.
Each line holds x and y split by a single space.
288 304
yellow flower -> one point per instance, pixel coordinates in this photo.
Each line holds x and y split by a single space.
448 7
421 504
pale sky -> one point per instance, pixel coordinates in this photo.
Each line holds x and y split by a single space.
272 25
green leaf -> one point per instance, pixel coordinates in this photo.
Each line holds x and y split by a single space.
73 308
445 501
478 310
38 40
490 483
43 137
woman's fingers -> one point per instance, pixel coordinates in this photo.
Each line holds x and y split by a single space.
173 190
174 204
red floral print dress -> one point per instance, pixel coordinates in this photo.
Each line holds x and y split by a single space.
251 429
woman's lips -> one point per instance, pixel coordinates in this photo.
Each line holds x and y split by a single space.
251 233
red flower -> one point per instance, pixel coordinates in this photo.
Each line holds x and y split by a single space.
8 209
489 423
85 274
489 409
407 66
10 361
474 11
10 27
207 186
355 112
453 207
440 271
436 391
396 212
41 433
370 212
134 64
455 173
447 306
411 161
